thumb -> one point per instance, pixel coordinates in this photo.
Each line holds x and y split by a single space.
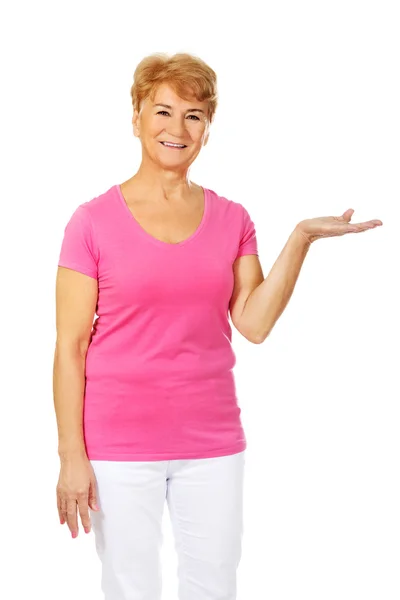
93 496
348 214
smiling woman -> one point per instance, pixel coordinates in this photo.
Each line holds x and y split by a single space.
145 398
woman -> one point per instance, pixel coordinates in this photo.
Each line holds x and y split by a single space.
144 394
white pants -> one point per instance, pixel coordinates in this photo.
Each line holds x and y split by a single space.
205 502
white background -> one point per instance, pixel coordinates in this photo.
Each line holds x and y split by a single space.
307 125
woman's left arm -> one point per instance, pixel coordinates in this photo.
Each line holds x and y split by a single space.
267 301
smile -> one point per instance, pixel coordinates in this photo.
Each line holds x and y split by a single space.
173 146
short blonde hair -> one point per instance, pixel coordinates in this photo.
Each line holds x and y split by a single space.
186 73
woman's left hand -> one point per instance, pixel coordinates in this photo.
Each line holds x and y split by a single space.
313 229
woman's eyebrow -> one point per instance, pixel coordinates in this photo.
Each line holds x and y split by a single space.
188 110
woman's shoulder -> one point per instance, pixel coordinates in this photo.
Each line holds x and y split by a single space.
226 205
99 207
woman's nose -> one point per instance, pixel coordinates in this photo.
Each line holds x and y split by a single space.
176 128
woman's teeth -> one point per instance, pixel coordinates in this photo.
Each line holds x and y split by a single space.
177 146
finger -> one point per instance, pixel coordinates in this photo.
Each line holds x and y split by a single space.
64 505
84 511
348 214
59 509
358 227
93 496
72 519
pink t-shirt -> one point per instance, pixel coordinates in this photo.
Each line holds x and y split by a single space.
159 367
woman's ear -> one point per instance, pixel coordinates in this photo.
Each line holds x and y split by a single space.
135 123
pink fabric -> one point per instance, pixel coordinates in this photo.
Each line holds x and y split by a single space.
159 367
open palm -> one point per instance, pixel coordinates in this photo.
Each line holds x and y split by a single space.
319 227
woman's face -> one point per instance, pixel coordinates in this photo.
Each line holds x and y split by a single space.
176 122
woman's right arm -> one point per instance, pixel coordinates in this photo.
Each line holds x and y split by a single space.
76 300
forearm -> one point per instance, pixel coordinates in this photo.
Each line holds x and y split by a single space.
266 303
68 392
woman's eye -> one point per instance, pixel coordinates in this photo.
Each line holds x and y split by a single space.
165 112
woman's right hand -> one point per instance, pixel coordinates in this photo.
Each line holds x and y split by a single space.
76 489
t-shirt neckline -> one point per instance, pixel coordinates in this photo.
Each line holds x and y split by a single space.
155 240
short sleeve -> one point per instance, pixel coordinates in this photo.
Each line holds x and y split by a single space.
78 248
248 240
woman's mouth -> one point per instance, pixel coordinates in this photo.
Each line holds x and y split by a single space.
173 146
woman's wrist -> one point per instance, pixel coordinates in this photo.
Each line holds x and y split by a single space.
71 453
